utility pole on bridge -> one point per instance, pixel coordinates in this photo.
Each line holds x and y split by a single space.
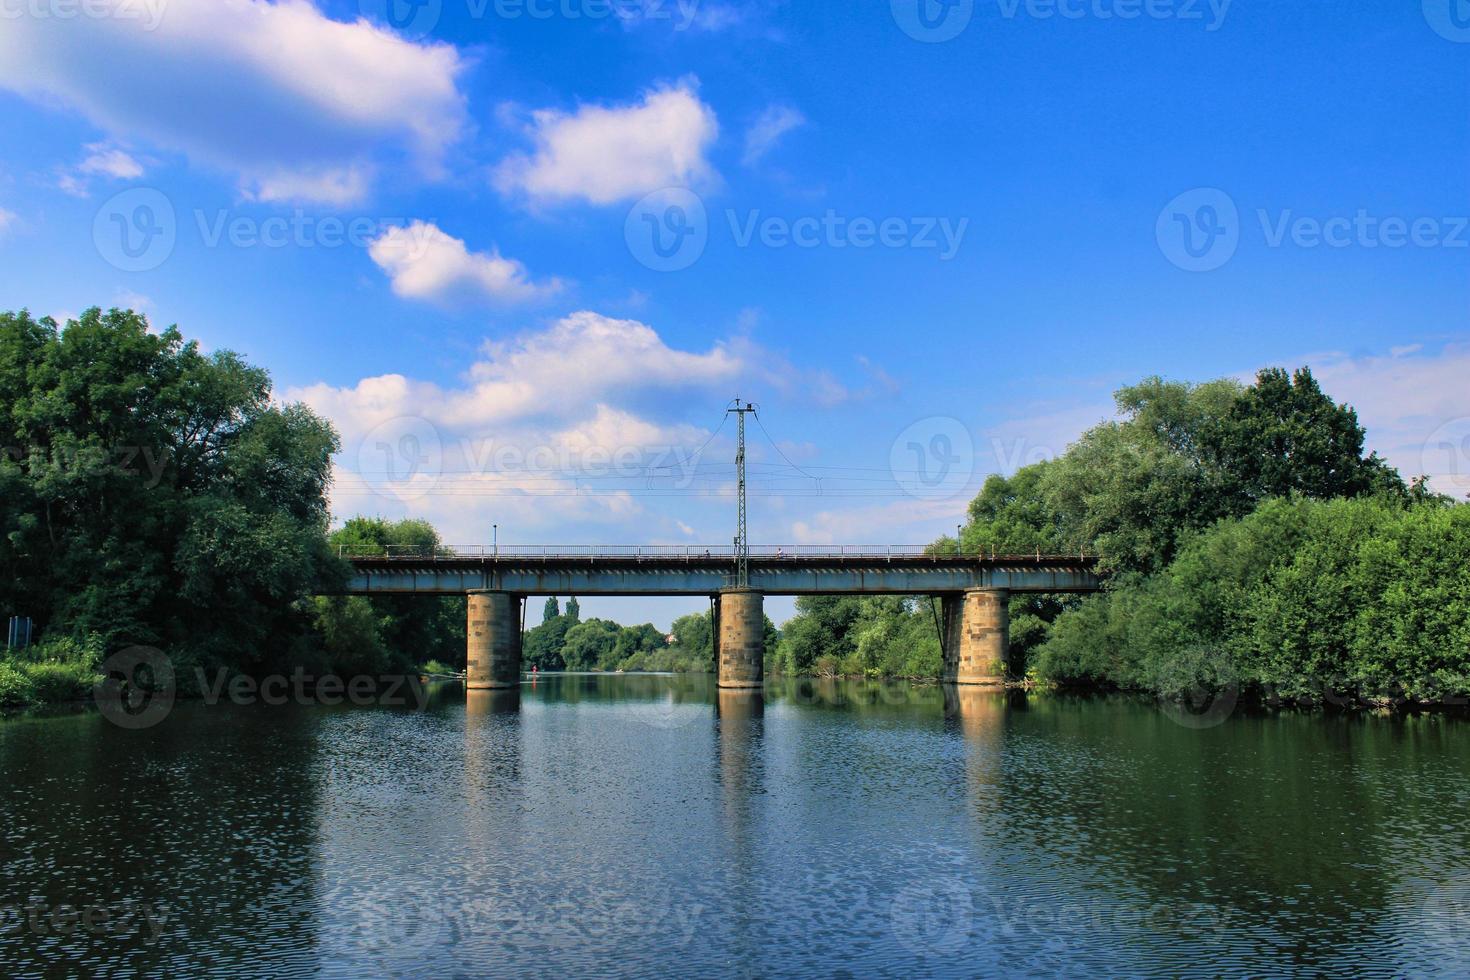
742 540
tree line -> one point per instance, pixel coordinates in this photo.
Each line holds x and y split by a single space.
152 494
1249 542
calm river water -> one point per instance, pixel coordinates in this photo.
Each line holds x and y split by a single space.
646 825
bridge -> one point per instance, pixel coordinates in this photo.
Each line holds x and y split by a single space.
973 589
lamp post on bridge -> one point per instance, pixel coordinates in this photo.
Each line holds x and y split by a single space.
495 540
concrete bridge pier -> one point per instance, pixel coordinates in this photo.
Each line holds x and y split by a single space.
493 636
977 630
740 638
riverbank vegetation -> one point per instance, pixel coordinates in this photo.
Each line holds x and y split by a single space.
565 641
152 494
1249 542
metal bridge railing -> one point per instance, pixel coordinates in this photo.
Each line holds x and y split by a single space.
691 551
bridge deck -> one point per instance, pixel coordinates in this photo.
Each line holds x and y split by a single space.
703 572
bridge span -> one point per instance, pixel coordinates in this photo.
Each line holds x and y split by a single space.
973 588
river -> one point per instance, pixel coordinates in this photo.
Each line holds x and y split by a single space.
649 825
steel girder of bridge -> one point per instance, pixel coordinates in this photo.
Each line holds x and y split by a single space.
652 575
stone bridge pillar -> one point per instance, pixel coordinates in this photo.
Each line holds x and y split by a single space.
977 630
740 638
493 634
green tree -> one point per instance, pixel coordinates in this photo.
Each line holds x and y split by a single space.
590 645
694 641
155 494
412 630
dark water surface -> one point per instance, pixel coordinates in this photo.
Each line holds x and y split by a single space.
646 825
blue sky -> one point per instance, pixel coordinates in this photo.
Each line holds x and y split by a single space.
957 227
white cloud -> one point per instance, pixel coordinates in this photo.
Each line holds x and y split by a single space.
577 428
607 154
129 300
102 160
423 262
772 124
898 522
715 17
110 161
1411 403
327 185
8 220
570 404
571 373
292 103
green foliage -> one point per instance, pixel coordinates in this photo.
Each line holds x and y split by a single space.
589 644
437 667
62 650
1302 600
868 636
53 682
389 634
153 494
1205 505
1181 458
895 637
600 644
694 642
562 643
16 687
824 625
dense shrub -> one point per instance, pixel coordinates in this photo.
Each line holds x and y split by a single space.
1303 600
15 687
54 682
